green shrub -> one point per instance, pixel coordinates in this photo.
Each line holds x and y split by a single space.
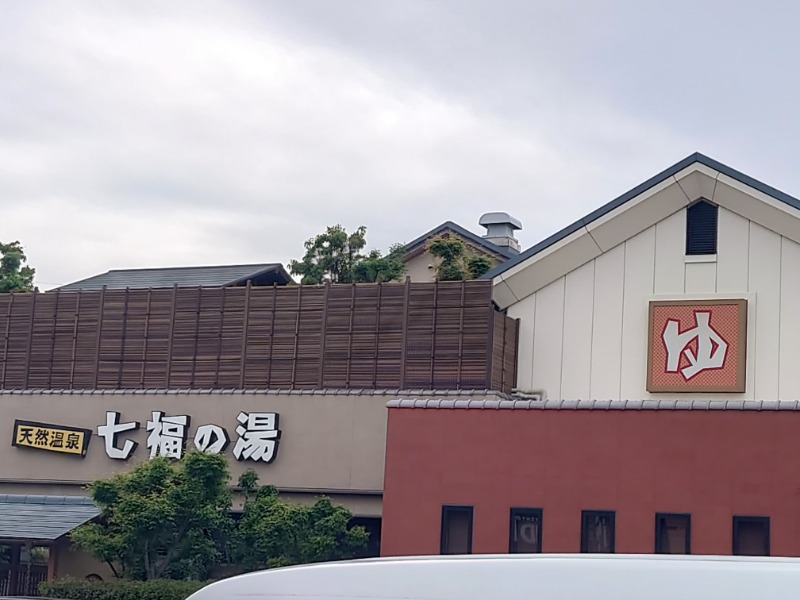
157 589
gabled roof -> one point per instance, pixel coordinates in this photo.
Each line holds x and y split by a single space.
43 517
450 227
210 276
693 178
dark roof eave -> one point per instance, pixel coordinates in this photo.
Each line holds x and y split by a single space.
639 189
276 268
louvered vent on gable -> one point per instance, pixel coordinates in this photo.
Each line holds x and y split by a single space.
701 228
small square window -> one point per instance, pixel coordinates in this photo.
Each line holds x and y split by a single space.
673 533
751 536
525 533
598 531
456 535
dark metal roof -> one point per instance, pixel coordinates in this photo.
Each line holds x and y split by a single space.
43 517
465 233
643 187
210 276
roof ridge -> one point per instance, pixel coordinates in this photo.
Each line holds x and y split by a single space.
227 266
60 500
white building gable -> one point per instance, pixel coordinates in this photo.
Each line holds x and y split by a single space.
583 295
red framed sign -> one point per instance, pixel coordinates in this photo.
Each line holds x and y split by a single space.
697 346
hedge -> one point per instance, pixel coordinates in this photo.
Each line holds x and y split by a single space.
79 589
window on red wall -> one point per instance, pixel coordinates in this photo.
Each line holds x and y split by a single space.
598 531
525 534
456 530
673 533
751 536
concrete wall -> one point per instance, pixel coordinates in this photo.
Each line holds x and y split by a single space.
712 464
584 336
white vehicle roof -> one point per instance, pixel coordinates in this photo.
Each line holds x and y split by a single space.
523 577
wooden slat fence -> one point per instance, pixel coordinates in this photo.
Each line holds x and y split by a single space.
442 335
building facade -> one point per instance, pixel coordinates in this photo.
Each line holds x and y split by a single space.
291 381
656 391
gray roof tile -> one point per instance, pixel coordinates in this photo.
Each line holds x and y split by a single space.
208 276
43 517
503 402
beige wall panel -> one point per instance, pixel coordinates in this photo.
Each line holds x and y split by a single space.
670 254
733 243
568 255
638 285
765 282
701 277
548 340
525 311
578 318
607 324
789 367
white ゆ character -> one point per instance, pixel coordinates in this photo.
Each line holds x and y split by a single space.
706 357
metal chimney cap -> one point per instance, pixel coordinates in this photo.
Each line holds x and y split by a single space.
499 218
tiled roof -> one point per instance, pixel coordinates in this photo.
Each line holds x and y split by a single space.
211 276
43 517
258 392
510 403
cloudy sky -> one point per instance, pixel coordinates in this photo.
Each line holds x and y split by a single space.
155 133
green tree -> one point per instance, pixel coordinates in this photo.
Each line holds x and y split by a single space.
274 533
336 256
375 267
456 260
479 264
162 518
14 277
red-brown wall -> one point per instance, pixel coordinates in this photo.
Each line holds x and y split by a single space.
712 464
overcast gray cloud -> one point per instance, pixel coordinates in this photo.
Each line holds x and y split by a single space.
146 133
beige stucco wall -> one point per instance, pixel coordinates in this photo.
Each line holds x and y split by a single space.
418 267
76 563
330 443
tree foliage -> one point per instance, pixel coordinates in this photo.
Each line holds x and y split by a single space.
161 519
336 256
456 260
15 276
274 533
